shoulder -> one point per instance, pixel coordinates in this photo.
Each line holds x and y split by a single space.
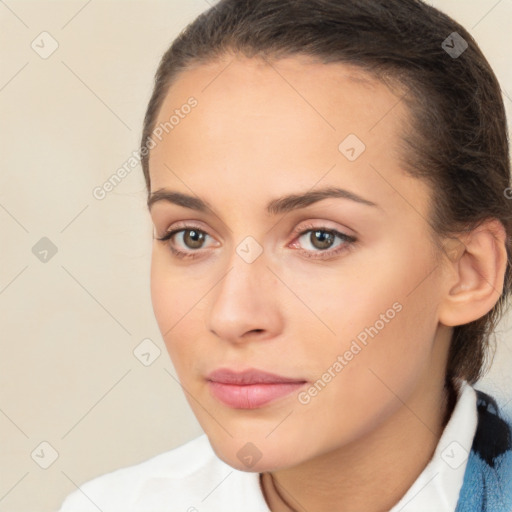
487 480
494 433
128 488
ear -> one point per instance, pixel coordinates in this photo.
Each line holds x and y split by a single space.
476 265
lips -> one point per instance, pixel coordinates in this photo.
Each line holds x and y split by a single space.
251 388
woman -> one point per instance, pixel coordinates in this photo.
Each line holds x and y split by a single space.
328 183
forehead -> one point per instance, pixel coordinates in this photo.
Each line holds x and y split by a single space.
282 120
334 98
299 81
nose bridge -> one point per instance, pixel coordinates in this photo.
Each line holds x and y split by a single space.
245 297
244 277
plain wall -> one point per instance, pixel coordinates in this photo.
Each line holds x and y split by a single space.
68 374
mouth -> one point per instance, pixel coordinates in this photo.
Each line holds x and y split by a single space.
250 389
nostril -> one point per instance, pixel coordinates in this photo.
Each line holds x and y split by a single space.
257 330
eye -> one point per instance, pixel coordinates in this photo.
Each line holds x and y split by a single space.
192 238
323 239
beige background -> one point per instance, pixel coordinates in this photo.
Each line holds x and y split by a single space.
68 374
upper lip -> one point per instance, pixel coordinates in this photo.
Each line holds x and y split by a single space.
250 376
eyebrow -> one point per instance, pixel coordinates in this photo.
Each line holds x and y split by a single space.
277 206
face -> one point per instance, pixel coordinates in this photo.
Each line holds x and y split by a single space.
335 294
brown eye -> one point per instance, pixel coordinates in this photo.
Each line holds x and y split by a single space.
193 238
321 239
322 242
190 238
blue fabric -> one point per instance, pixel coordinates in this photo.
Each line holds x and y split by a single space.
487 485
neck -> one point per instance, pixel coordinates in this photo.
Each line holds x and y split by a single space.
372 473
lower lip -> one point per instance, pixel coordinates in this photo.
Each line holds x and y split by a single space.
252 396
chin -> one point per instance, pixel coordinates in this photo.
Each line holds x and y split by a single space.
256 456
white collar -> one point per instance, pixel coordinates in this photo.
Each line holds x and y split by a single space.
438 486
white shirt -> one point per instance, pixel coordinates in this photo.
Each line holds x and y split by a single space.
191 478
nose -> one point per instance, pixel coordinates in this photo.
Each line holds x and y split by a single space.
245 303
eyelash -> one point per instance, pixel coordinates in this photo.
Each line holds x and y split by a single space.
349 241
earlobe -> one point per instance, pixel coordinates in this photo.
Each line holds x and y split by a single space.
477 266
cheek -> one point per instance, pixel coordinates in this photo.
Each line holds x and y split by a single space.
385 331
391 363
163 294
175 303
381 313
362 295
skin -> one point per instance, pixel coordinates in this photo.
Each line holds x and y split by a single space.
261 131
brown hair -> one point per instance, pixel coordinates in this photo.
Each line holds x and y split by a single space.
458 140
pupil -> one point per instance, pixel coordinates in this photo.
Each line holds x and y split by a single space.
324 238
195 236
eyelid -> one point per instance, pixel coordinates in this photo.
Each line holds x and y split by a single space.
322 225
183 226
